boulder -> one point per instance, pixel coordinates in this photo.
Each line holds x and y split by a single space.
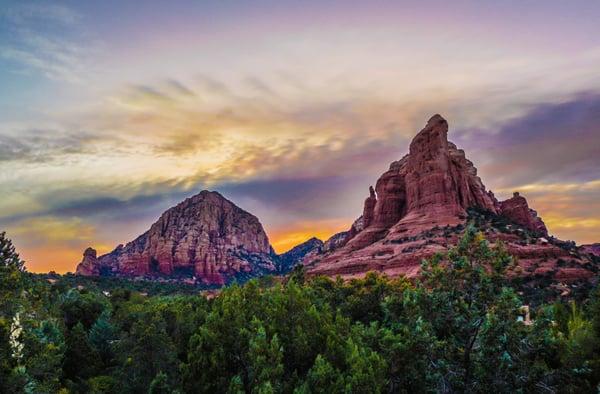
517 210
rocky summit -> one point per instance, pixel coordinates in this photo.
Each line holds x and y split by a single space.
205 238
420 207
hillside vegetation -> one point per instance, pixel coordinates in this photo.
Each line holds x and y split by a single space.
459 328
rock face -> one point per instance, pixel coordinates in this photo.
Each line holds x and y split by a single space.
205 236
593 249
299 253
338 240
433 185
89 264
369 208
438 177
421 205
517 210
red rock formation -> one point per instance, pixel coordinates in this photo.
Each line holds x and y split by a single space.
340 239
420 209
433 185
517 210
336 241
391 201
89 264
369 208
438 176
593 249
205 235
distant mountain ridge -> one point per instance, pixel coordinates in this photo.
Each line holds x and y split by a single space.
299 253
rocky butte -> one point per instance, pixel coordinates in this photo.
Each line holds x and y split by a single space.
205 238
421 205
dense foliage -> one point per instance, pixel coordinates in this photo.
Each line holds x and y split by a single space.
458 329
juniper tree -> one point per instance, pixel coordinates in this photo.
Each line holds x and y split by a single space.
11 287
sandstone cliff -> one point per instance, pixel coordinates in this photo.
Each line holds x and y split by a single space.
421 205
206 237
517 210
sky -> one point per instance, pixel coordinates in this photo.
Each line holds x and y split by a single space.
113 111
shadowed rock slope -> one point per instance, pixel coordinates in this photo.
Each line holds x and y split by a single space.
299 253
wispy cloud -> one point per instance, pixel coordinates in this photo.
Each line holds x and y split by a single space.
23 13
46 38
38 146
551 143
291 159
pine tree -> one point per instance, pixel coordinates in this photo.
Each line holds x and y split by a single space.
265 358
81 361
465 298
11 287
323 378
8 256
160 384
43 357
101 335
148 351
11 278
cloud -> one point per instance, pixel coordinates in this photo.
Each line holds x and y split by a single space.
146 96
86 203
41 12
107 209
179 88
259 86
291 161
211 86
280 202
553 142
38 146
48 229
569 210
38 37
49 243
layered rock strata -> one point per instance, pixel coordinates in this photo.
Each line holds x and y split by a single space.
421 205
205 236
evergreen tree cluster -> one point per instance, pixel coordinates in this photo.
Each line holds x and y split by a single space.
456 329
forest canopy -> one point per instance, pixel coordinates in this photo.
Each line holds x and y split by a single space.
460 327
